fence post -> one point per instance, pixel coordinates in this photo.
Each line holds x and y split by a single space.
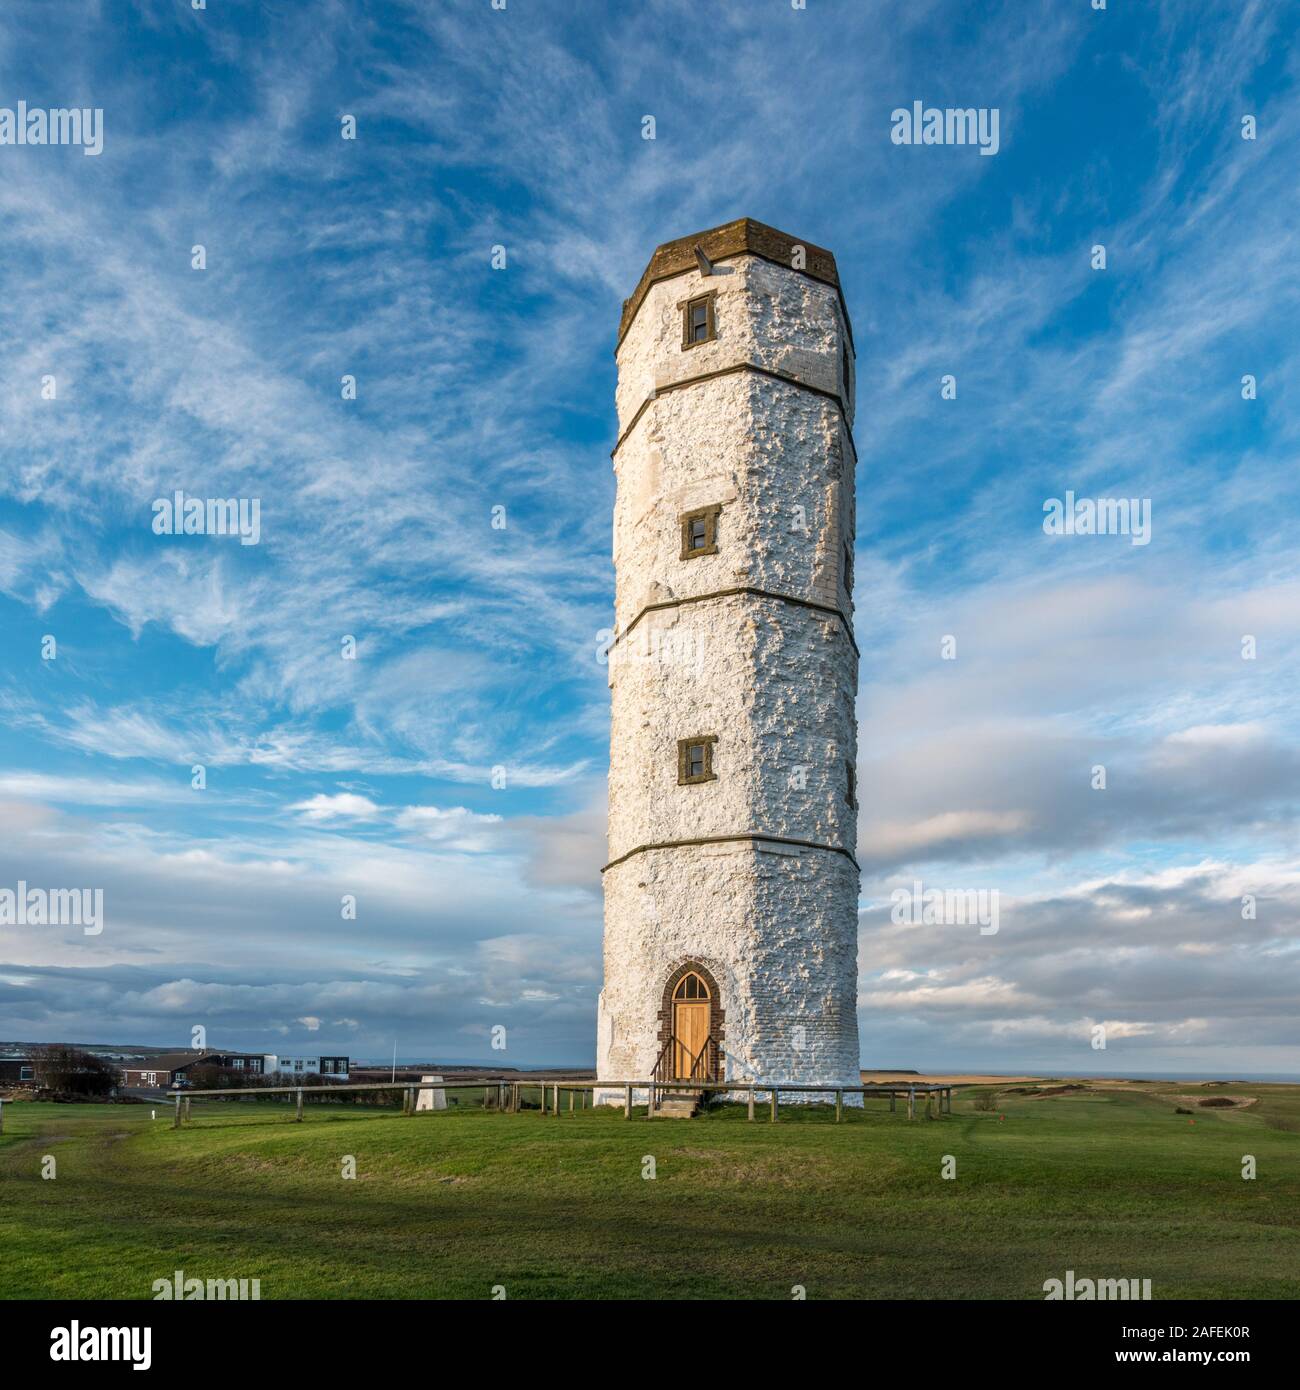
627 1102
751 1100
176 1121
773 1105
893 1101
187 1109
911 1104
298 1114
570 1102
839 1106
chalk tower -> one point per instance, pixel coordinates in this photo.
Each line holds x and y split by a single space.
732 885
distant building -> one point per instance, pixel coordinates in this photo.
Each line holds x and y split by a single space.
336 1068
169 1068
17 1066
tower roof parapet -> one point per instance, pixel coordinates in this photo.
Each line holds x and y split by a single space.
744 236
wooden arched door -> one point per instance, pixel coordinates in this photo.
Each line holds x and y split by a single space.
691 1005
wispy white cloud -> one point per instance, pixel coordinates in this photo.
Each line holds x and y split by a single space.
340 806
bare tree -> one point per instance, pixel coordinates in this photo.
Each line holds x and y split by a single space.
62 1067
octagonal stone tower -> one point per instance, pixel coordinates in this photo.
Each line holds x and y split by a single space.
731 889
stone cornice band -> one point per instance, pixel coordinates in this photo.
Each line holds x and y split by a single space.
752 593
731 839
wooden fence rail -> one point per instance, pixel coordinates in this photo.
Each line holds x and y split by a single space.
509 1093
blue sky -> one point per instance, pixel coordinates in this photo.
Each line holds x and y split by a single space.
482 388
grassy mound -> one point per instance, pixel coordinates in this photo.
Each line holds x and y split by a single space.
451 1204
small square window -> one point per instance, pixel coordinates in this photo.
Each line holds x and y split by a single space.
695 759
700 532
698 322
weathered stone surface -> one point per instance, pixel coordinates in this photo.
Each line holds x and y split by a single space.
774 457
771 929
774 682
721 243
766 316
751 644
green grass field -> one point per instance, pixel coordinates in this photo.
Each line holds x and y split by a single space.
1111 1184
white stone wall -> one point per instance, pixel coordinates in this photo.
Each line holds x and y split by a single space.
778 461
774 681
777 929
